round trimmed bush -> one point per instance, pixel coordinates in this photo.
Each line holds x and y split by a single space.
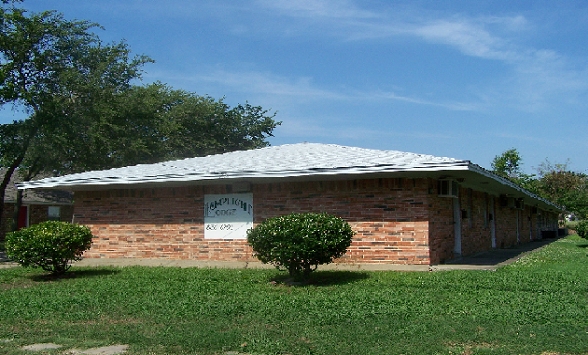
299 242
582 228
50 245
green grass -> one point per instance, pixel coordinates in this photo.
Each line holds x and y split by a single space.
538 305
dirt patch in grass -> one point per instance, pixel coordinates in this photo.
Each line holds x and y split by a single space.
17 284
104 350
41 347
469 348
105 320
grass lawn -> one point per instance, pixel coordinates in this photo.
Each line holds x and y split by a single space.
538 305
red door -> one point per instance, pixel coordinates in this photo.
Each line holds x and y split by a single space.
23 217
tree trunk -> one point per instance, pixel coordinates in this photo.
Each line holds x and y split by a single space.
19 194
17 207
7 176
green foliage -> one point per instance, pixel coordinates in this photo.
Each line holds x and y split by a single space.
84 114
536 305
508 164
299 242
59 73
554 182
582 228
50 245
564 187
571 225
153 123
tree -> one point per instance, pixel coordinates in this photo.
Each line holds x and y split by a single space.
554 182
508 165
85 115
153 123
156 123
52 68
201 125
566 188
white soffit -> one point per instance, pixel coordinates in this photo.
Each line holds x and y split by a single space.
291 160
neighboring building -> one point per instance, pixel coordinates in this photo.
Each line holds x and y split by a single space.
405 208
37 206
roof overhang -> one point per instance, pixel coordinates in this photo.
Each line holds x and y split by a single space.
297 162
467 175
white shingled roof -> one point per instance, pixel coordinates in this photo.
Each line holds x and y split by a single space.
292 160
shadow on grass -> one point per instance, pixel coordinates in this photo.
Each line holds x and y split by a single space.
76 274
322 278
584 245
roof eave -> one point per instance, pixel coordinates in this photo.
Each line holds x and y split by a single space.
478 169
79 184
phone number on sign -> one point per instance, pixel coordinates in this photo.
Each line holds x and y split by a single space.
219 227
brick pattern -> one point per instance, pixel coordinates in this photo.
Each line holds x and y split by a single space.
516 226
153 223
477 212
397 221
441 229
475 226
389 216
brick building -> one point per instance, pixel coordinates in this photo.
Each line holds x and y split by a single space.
37 206
405 208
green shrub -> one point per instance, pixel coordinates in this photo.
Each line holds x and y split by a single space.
50 245
571 225
299 242
582 228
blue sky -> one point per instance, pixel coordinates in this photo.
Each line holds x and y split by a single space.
462 79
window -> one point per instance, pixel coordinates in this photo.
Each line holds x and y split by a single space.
448 188
54 213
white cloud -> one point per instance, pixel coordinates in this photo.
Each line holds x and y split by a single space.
453 106
267 83
533 76
470 39
319 9
304 89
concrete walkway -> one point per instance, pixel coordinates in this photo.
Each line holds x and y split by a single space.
4 262
489 260
493 259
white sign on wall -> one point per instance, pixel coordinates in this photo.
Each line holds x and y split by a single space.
228 216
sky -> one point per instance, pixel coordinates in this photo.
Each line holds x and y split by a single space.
460 79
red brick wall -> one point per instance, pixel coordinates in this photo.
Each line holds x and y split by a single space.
475 226
476 234
507 220
148 223
441 226
389 216
474 215
398 221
